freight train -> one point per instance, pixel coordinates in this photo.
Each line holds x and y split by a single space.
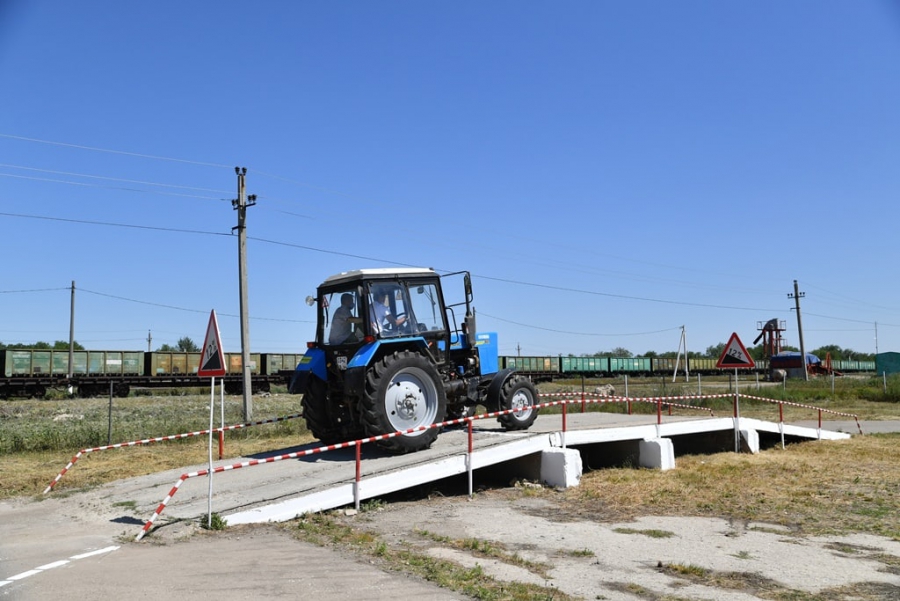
32 372
558 367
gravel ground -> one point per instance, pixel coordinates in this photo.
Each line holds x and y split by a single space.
594 560
584 558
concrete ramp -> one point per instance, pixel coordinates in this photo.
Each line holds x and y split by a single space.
326 481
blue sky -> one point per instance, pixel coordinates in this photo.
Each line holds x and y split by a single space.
608 171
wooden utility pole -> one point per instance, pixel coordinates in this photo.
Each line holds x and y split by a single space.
797 295
240 205
72 334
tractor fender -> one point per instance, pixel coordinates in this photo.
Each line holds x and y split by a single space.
496 386
355 376
374 350
313 362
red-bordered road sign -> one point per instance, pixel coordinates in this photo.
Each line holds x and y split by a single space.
734 355
212 361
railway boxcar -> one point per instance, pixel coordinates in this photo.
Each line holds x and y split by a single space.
42 362
703 365
533 364
668 365
168 363
234 363
271 364
630 365
585 366
119 363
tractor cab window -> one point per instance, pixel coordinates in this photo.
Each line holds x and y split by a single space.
341 321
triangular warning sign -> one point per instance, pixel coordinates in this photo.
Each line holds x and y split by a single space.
212 361
735 355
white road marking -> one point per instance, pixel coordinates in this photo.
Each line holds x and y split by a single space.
97 552
55 564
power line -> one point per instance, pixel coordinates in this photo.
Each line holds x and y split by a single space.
33 290
623 296
108 151
119 188
403 264
108 179
110 224
892 325
528 325
365 199
175 308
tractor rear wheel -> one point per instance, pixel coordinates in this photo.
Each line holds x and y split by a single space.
403 391
520 394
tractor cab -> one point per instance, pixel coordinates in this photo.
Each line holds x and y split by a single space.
363 306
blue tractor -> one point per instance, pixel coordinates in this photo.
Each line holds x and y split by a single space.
391 355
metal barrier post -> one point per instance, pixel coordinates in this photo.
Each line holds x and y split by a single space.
737 416
582 393
781 423
469 458
222 419
109 415
564 405
358 471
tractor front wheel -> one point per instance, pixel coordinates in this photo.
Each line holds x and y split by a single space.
519 394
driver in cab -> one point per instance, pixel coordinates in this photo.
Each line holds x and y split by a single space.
380 312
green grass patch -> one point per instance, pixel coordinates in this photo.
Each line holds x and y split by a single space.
651 532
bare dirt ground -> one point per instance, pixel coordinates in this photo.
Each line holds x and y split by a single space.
632 560
652 558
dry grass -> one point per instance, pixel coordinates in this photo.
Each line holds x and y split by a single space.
812 487
60 429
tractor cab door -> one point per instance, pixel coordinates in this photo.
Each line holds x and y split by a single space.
404 309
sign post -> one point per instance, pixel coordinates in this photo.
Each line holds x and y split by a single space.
212 364
735 355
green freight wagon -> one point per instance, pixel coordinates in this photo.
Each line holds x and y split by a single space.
585 366
115 363
234 363
272 363
629 365
703 365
